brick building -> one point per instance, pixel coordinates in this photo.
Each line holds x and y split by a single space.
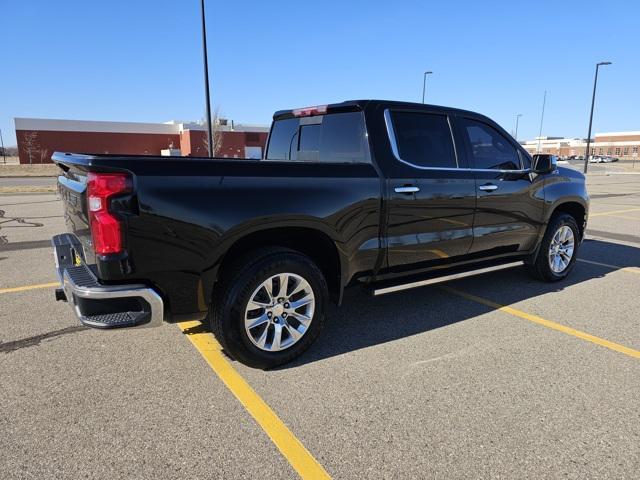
38 138
623 145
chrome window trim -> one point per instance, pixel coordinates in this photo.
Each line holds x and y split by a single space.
391 134
521 157
453 142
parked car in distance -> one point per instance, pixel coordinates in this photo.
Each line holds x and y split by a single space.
603 159
386 195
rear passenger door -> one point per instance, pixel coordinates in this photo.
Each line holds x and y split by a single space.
431 196
508 213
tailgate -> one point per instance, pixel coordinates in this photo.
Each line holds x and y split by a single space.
72 185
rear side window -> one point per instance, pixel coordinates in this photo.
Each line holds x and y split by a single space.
336 137
424 139
490 150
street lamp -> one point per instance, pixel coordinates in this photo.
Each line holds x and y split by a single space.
424 84
516 131
544 102
206 82
593 101
4 153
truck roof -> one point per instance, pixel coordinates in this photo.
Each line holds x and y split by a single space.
350 105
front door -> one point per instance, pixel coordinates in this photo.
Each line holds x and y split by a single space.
508 212
431 198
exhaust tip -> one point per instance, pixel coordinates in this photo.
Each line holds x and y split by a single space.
60 295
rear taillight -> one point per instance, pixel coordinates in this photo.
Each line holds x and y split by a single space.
105 227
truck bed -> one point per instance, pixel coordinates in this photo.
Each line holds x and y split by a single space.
184 213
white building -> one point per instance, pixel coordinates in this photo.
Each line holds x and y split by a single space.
624 145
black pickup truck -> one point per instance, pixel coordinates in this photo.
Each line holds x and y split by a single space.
389 195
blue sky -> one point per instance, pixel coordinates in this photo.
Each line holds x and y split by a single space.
140 60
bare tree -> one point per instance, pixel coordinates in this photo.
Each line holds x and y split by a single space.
217 135
31 144
44 155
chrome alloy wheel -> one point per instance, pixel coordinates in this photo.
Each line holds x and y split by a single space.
279 312
561 249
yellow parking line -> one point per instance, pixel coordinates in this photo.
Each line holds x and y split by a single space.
29 287
614 267
454 222
613 212
547 323
293 450
624 217
439 253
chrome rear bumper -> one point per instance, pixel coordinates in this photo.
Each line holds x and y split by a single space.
102 306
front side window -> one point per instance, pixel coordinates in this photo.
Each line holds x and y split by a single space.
489 149
335 137
424 139
525 160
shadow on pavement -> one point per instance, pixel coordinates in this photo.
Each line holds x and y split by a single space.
34 341
30 203
364 321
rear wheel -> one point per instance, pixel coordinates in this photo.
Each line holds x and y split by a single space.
269 307
557 254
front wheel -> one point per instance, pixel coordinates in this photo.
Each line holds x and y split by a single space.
269 307
558 249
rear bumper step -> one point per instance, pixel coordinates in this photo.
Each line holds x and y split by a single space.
102 306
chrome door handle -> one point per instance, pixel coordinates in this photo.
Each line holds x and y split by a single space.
407 189
488 188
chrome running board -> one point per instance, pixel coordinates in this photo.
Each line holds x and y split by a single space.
446 278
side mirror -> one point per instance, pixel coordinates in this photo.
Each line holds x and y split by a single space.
544 163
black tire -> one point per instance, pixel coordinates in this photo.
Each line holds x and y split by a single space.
539 266
233 292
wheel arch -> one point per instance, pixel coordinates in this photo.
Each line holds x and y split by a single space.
576 209
314 243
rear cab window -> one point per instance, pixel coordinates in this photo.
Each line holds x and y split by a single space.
330 138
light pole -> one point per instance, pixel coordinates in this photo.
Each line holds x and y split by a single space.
206 82
4 154
593 101
424 84
544 102
516 132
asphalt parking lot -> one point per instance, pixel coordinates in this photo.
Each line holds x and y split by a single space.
497 376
